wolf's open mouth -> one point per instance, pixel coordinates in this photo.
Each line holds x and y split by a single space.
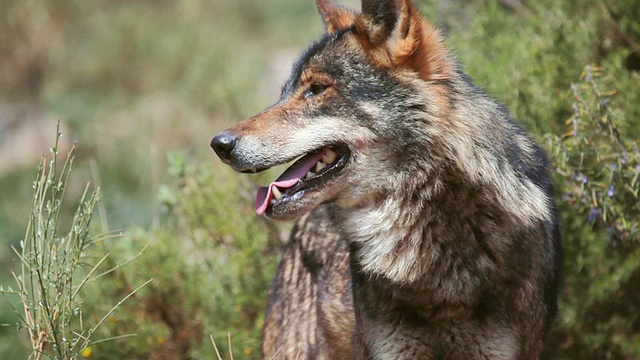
309 172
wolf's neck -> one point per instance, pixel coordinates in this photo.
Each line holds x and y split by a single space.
389 239
412 236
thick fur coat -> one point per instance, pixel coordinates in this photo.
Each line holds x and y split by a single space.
428 226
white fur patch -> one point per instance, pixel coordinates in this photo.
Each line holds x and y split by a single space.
380 230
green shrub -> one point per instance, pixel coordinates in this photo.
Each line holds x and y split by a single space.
598 172
529 60
55 269
211 267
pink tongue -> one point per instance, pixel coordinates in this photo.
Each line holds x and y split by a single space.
288 179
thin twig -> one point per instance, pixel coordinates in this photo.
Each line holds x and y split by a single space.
213 342
117 306
230 349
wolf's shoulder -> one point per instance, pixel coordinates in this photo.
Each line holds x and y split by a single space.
316 236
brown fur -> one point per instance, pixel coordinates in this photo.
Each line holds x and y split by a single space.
335 17
411 44
314 293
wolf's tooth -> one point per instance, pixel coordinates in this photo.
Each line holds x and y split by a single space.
310 174
329 156
276 192
320 165
273 201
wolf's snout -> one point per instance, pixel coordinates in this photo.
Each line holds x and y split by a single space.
223 144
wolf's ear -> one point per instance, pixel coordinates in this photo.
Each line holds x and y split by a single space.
378 19
395 35
335 16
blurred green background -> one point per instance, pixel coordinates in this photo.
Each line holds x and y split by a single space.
143 85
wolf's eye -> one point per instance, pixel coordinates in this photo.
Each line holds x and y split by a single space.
315 89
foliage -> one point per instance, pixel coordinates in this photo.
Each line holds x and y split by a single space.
529 60
55 269
599 177
211 268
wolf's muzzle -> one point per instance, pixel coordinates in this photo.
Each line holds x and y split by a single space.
223 144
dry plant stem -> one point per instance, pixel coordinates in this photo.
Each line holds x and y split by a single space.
213 342
230 350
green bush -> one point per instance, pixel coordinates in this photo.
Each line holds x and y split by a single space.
598 173
529 60
55 269
211 267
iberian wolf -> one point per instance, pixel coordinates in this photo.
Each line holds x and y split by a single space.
427 228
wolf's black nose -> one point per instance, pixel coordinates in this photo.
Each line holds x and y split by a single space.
223 144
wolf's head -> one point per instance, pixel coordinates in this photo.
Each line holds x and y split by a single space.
354 111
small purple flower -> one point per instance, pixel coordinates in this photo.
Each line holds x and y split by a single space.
588 78
593 214
578 176
614 166
611 191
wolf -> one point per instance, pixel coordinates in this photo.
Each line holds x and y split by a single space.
426 222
